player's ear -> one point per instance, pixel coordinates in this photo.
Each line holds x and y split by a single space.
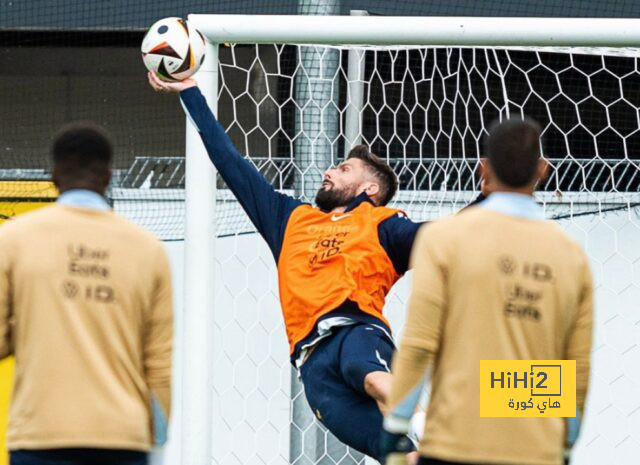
543 170
486 176
372 189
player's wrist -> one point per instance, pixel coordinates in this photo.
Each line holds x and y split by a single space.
186 84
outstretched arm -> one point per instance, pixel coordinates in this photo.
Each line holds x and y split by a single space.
267 209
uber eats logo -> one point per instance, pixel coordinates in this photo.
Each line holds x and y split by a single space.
88 275
527 388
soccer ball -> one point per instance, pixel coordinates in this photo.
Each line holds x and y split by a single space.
173 49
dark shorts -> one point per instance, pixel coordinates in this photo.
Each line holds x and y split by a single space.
333 378
77 457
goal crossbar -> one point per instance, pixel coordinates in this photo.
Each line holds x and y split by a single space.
413 30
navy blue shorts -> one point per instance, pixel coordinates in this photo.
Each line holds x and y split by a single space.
333 378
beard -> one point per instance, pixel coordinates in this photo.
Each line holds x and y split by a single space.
328 199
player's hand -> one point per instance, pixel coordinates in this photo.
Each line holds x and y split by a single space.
392 444
573 431
173 87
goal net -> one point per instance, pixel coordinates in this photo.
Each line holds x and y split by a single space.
297 109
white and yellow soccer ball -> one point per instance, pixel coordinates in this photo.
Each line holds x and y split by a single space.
173 49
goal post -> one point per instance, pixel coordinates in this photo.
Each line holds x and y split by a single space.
473 59
199 267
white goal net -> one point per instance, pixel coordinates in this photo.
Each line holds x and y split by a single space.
296 110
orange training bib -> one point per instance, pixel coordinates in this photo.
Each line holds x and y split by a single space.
328 258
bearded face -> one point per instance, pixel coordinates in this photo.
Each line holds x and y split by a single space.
330 197
342 184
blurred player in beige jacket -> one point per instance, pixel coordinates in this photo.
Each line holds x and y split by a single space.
495 282
86 308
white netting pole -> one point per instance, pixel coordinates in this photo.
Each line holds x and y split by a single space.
199 296
355 94
316 94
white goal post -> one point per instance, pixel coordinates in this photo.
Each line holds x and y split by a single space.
200 191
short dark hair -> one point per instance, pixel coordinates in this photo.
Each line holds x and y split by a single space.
380 170
80 148
513 149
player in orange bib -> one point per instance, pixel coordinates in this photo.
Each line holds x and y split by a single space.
336 264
